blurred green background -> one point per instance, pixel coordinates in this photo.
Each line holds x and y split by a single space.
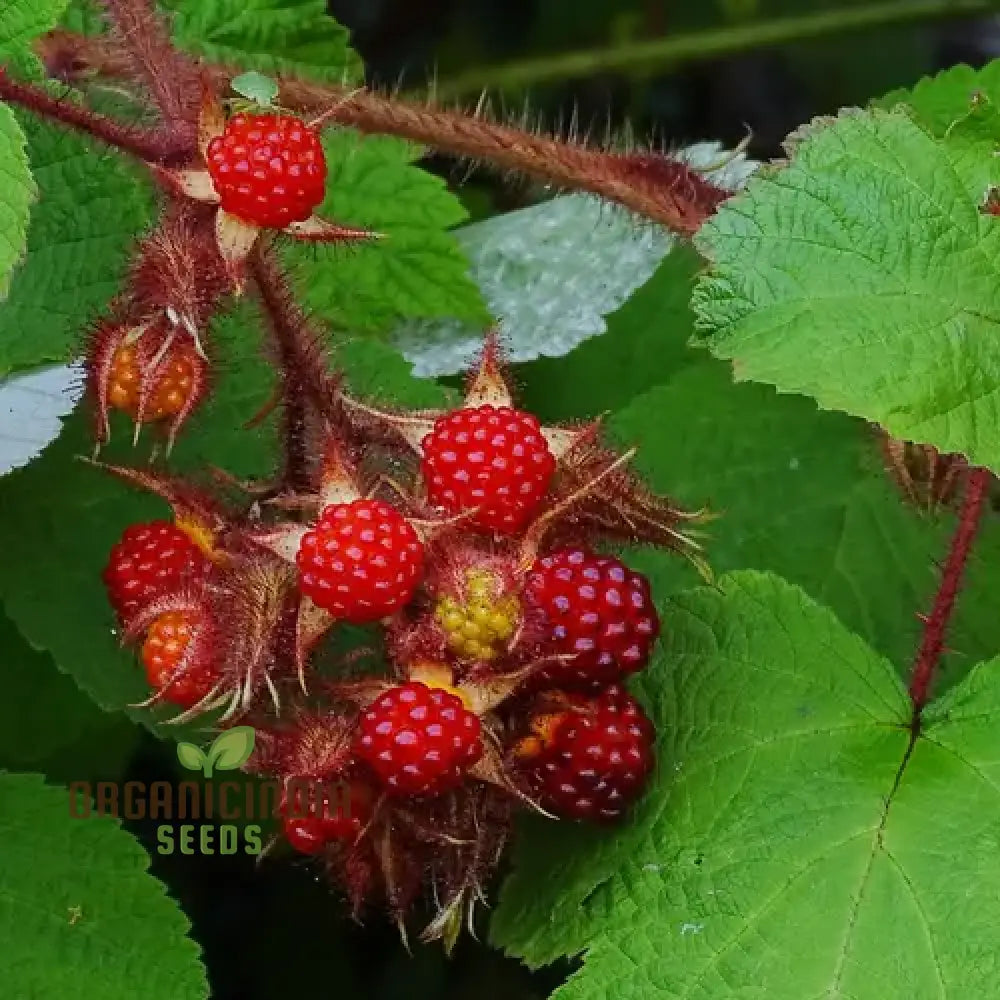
675 71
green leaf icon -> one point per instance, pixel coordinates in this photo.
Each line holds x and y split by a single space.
257 87
232 748
191 757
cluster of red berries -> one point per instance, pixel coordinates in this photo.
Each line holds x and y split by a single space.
507 634
506 654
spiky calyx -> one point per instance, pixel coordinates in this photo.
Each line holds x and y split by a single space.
246 610
178 274
164 653
306 745
590 757
926 478
269 170
419 740
598 611
493 460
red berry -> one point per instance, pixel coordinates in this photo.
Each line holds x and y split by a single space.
597 609
310 828
149 560
346 819
596 758
166 643
493 458
307 834
361 562
268 169
419 740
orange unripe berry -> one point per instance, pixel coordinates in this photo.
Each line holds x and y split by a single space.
175 383
166 643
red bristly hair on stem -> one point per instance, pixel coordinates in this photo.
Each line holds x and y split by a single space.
178 267
146 57
171 78
308 392
153 147
936 623
655 186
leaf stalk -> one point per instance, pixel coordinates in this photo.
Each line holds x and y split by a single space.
936 623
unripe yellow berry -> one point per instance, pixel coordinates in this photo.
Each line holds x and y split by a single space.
478 628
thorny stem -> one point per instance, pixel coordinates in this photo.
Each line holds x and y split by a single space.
673 195
171 78
145 145
681 205
304 378
936 623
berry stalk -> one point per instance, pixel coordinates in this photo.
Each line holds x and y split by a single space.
656 187
305 383
148 146
171 79
936 623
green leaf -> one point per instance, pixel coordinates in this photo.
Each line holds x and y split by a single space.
192 757
232 748
83 16
865 275
645 346
548 273
18 193
942 101
47 724
379 374
21 22
79 913
416 270
797 491
91 208
551 273
797 841
294 37
780 734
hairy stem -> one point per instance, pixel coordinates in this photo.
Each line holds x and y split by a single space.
936 623
671 50
172 79
658 188
145 145
305 384
681 202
